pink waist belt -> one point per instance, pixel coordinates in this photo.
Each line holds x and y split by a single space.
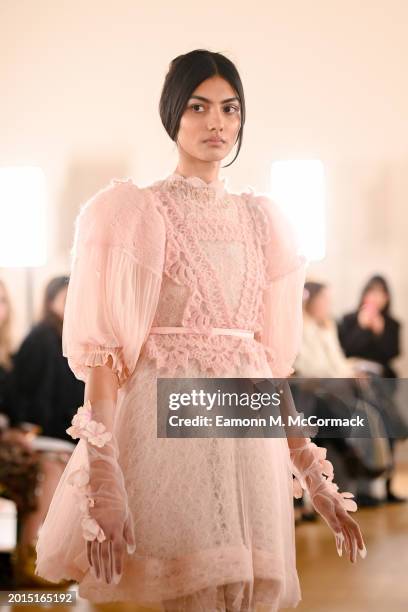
211 331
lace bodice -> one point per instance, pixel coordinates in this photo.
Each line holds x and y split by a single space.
214 272
213 254
183 253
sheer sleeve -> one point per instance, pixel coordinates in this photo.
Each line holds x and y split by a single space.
285 270
116 271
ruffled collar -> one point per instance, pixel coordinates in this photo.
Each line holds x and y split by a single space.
218 186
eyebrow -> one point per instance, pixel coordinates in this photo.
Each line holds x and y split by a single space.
207 100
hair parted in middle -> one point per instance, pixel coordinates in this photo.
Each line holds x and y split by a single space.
186 72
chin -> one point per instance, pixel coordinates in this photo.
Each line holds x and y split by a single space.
214 156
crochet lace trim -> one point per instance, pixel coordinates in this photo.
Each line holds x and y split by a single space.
216 355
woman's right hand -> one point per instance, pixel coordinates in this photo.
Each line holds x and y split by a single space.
110 516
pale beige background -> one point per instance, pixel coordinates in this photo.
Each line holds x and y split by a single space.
81 79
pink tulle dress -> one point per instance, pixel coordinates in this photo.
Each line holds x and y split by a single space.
157 274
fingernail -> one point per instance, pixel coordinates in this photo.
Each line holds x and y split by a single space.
131 548
362 552
339 544
116 578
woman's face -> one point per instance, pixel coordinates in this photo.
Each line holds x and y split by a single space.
212 112
376 298
4 307
58 303
320 306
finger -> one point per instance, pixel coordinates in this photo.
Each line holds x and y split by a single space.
355 531
129 534
111 560
339 542
353 541
105 561
349 546
118 551
88 552
95 558
347 543
358 538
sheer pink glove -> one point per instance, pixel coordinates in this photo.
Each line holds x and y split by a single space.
310 468
107 523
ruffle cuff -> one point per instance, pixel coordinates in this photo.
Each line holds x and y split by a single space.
93 356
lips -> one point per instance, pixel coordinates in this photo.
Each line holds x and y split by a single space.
214 140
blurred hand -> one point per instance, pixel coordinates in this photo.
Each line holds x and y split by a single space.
365 317
377 324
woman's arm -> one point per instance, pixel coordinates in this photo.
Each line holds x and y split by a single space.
102 384
107 520
314 473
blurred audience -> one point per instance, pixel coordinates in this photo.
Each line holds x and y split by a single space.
321 357
372 334
47 392
38 395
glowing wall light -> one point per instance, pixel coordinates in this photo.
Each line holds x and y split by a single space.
22 217
299 187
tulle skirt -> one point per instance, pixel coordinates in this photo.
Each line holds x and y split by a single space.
213 517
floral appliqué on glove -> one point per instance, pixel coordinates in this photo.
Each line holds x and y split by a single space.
83 426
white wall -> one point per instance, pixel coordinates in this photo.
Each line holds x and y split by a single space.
322 78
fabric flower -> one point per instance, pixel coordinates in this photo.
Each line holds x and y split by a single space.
80 420
84 427
80 477
96 434
91 530
322 472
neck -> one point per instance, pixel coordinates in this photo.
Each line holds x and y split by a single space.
207 171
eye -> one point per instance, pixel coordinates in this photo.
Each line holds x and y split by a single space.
235 109
195 106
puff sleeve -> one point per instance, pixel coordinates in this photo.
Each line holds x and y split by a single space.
117 261
285 270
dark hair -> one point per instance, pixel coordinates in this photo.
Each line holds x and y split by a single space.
54 286
185 73
377 281
310 291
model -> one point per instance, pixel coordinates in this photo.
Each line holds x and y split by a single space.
184 278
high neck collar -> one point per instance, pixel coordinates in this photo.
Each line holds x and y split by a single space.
217 185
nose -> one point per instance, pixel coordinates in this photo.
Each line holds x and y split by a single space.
216 119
